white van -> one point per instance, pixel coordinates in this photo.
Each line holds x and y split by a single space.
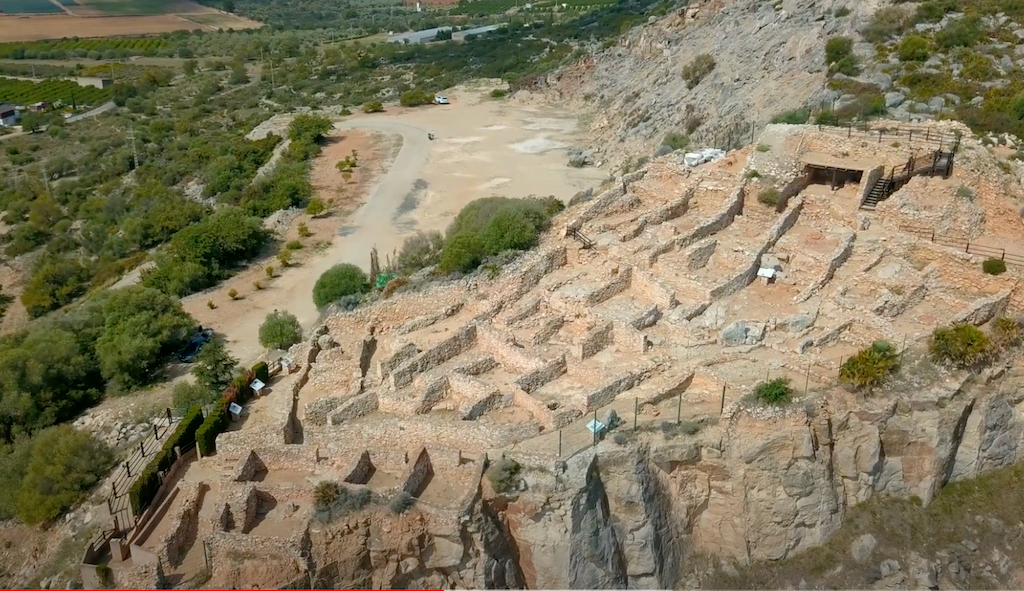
440 100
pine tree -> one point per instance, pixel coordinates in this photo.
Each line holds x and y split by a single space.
215 368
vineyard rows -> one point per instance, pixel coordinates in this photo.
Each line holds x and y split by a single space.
496 6
134 44
23 92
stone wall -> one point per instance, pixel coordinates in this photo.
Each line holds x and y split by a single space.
249 467
667 212
501 346
537 409
475 396
475 367
647 318
355 407
544 263
185 528
421 322
891 306
524 311
225 547
652 289
839 257
547 330
667 388
419 474
454 345
832 335
318 410
618 284
532 381
367 347
699 254
718 222
599 204
401 355
868 182
985 309
435 390
607 391
361 471
594 342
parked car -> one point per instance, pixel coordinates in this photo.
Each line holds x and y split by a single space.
440 100
203 336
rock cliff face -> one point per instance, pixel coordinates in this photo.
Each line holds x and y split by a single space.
760 485
769 58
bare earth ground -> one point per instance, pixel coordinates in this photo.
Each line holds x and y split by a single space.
58 26
483 148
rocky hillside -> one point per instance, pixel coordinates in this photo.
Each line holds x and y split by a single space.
765 58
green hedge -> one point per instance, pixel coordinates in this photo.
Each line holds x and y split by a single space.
238 392
262 372
148 483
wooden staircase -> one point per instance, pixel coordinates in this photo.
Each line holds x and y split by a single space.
941 163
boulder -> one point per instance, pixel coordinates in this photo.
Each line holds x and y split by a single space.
742 332
862 547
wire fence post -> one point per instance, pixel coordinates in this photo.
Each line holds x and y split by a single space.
840 370
595 427
807 379
903 348
721 409
559 444
679 409
636 410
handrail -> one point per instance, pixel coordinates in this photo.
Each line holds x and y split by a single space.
964 245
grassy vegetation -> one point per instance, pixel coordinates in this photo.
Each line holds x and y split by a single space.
871 366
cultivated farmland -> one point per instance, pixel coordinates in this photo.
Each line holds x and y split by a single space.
23 92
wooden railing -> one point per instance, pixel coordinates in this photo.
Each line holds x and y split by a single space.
964 245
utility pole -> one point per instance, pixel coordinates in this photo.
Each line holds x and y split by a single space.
135 152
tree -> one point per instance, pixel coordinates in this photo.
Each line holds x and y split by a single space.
65 464
31 121
187 395
214 368
56 282
462 252
373 107
307 127
142 326
238 73
189 67
337 282
419 251
280 330
228 6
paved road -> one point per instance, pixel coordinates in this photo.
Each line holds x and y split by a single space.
371 225
107 106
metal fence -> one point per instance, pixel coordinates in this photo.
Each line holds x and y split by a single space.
964 245
908 133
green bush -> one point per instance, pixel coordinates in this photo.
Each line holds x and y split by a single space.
416 97
775 392
827 117
315 207
337 282
419 251
504 475
963 32
308 127
769 197
462 253
214 366
698 69
887 23
871 366
498 93
373 107
793 117
187 395
993 266
839 56
262 372
676 140
333 500
913 48
280 330
960 345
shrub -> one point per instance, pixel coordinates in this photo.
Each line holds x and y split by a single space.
698 69
993 266
763 147
913 48
338 281
498 93
793 117
838 49
308 127
419 251
373 107
392 286
841 12
769 197
827 117
270 271
462 252
105 574
620 438
416 97
315 207
293 245
214 367
280 330
304 230
962 32
285 257
187 395
211 305
871 366
333 500
504 475
61 464
233 293
262 372
887 23
1006 333
775 392
401 502
676 140
964 192
960 345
